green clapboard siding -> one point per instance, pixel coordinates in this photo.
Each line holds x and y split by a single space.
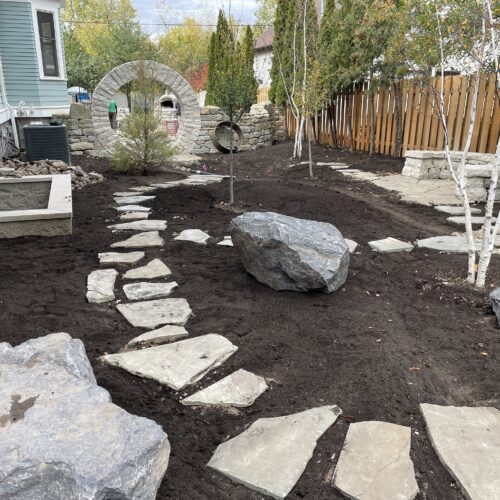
20 63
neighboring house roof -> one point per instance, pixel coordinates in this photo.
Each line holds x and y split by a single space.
265 41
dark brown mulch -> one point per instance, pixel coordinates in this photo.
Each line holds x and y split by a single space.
404 329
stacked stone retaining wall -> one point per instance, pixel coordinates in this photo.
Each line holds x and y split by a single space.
261 127
434 165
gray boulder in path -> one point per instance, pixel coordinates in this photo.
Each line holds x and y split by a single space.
62 438
286 253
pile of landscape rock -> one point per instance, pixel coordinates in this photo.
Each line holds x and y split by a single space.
79 178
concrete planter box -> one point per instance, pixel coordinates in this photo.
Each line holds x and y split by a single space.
38 205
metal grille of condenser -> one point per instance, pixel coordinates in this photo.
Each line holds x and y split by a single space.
46 142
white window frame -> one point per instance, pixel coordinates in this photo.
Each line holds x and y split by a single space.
49 8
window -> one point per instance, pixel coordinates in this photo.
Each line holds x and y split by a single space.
48 44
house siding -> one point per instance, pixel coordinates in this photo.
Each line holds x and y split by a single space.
20 63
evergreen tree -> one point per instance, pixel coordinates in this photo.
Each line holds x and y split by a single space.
276 91
209 98
248 80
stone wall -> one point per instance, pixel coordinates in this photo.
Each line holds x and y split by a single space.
261 126
81 135
433 165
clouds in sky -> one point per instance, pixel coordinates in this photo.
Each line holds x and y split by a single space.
151 12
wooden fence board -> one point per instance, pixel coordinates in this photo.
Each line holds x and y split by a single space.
420 118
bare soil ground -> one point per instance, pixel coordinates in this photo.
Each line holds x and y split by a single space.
404 330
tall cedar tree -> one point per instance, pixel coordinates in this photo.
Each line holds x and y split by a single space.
277 92
209 98
233 86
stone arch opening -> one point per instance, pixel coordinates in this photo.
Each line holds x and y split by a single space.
189 116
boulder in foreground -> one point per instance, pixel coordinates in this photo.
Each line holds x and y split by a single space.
61 437
286 253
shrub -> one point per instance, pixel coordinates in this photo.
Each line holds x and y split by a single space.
141 145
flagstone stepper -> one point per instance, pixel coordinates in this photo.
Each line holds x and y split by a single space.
120 258
101 285
128 216
145 290
176 365
141 240
133 208
154 269
131 200
163 335
140 225
271 455
375 463
153 313
240 389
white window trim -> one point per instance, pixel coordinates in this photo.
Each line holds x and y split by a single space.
48 7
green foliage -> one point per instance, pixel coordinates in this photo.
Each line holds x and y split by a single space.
185 48
231 82
264 16
142 145
82 68
99 36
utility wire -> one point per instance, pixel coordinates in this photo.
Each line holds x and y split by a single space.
71 21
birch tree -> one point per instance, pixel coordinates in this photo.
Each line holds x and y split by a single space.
459 35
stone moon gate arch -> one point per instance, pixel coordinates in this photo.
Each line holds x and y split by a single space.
189 118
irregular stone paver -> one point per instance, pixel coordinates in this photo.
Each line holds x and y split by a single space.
162 335
131 200
271 455
141 240
349 171
226 242
332 164
143 189
179 364
61 437
153 313
460 219
426 192
120 258
141 225
192 180
455 210
101 285
390 245
154 269
133 208
467 441
452 244
128 216
351 244
145 290
240 389
193 235
121 194
375 463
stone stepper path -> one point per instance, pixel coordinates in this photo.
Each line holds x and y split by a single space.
271 455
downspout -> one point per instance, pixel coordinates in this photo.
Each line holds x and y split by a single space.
9 107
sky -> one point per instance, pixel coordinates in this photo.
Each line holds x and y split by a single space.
154 12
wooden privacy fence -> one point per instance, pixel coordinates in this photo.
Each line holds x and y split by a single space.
262 94
419 118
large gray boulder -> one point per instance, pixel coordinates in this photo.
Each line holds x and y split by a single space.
62 438
286 253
